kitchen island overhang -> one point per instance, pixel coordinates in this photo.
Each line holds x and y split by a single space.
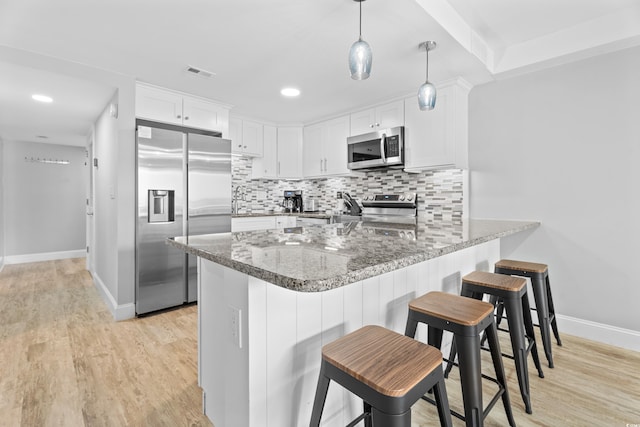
269 300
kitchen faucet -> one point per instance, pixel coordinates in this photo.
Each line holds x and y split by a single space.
235 198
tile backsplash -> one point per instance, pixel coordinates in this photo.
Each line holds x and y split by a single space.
440 192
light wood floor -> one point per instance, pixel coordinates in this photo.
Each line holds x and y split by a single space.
65 362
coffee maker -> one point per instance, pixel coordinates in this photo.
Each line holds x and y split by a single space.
292 201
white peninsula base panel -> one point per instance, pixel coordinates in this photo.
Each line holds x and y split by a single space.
260 344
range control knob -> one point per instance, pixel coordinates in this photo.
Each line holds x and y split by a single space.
401 197
409 197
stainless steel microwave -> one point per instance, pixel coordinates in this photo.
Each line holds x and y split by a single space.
383 148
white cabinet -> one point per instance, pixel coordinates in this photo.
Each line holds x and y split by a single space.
267 165
325 148
246 137
285 221
382 117
163 105
282 154
251 223
438 138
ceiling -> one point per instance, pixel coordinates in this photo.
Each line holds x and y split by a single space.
257 47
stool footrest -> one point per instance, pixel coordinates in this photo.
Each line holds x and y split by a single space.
489 406
360 418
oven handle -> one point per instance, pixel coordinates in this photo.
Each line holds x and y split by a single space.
382 153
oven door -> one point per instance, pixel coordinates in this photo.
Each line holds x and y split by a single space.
376 149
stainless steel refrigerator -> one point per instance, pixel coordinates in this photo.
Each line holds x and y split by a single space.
184 188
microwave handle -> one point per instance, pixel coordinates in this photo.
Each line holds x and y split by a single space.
382 151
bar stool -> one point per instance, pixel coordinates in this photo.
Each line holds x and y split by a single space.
466 318
389 371
513 292
539 275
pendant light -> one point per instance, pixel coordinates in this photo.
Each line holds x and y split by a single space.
360 55
427 92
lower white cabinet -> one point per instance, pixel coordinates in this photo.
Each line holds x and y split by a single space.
251 223
285 221
438 138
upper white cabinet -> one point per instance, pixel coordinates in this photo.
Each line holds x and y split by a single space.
246 137
289 152
325 148
163 105
438 138
382 117
282 154
267 165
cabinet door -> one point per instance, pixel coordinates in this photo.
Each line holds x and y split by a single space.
267 165
235 135
289 152
252 137
390 115
312 153
202 114
253 223
429 135
363 121
335 146
156 104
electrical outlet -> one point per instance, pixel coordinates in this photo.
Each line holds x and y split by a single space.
235 317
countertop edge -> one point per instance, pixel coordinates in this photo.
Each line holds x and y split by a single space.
353 276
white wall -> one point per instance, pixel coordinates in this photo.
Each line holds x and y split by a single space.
563 146
2 252
114 211
44 203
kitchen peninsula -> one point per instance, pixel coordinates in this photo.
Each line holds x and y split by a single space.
269 300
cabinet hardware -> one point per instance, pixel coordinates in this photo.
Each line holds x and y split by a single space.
186 117
178 116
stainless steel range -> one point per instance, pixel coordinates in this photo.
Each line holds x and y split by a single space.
385 207
390 214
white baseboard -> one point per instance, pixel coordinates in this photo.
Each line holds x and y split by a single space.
45 256
119 312
619 337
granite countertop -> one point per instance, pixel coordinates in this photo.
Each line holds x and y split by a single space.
322 257
320 215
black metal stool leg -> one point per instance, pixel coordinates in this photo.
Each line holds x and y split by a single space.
542 307
552 312
498 366
442 403
470 379
367 410
518 343
528 328
321 396
391 420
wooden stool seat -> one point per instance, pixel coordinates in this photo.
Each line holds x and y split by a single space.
450 307
388 371
496 281
467 319
530 267
393 365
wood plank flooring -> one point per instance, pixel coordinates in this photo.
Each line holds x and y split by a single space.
65 362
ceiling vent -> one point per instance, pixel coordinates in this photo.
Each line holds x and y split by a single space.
200 72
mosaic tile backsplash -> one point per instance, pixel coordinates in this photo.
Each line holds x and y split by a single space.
440 192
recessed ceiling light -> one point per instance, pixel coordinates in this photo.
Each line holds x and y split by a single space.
42 98
290 92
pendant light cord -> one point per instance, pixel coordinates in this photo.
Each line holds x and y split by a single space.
427 77
360 34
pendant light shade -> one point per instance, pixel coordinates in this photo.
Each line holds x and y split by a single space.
360 55
427 92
